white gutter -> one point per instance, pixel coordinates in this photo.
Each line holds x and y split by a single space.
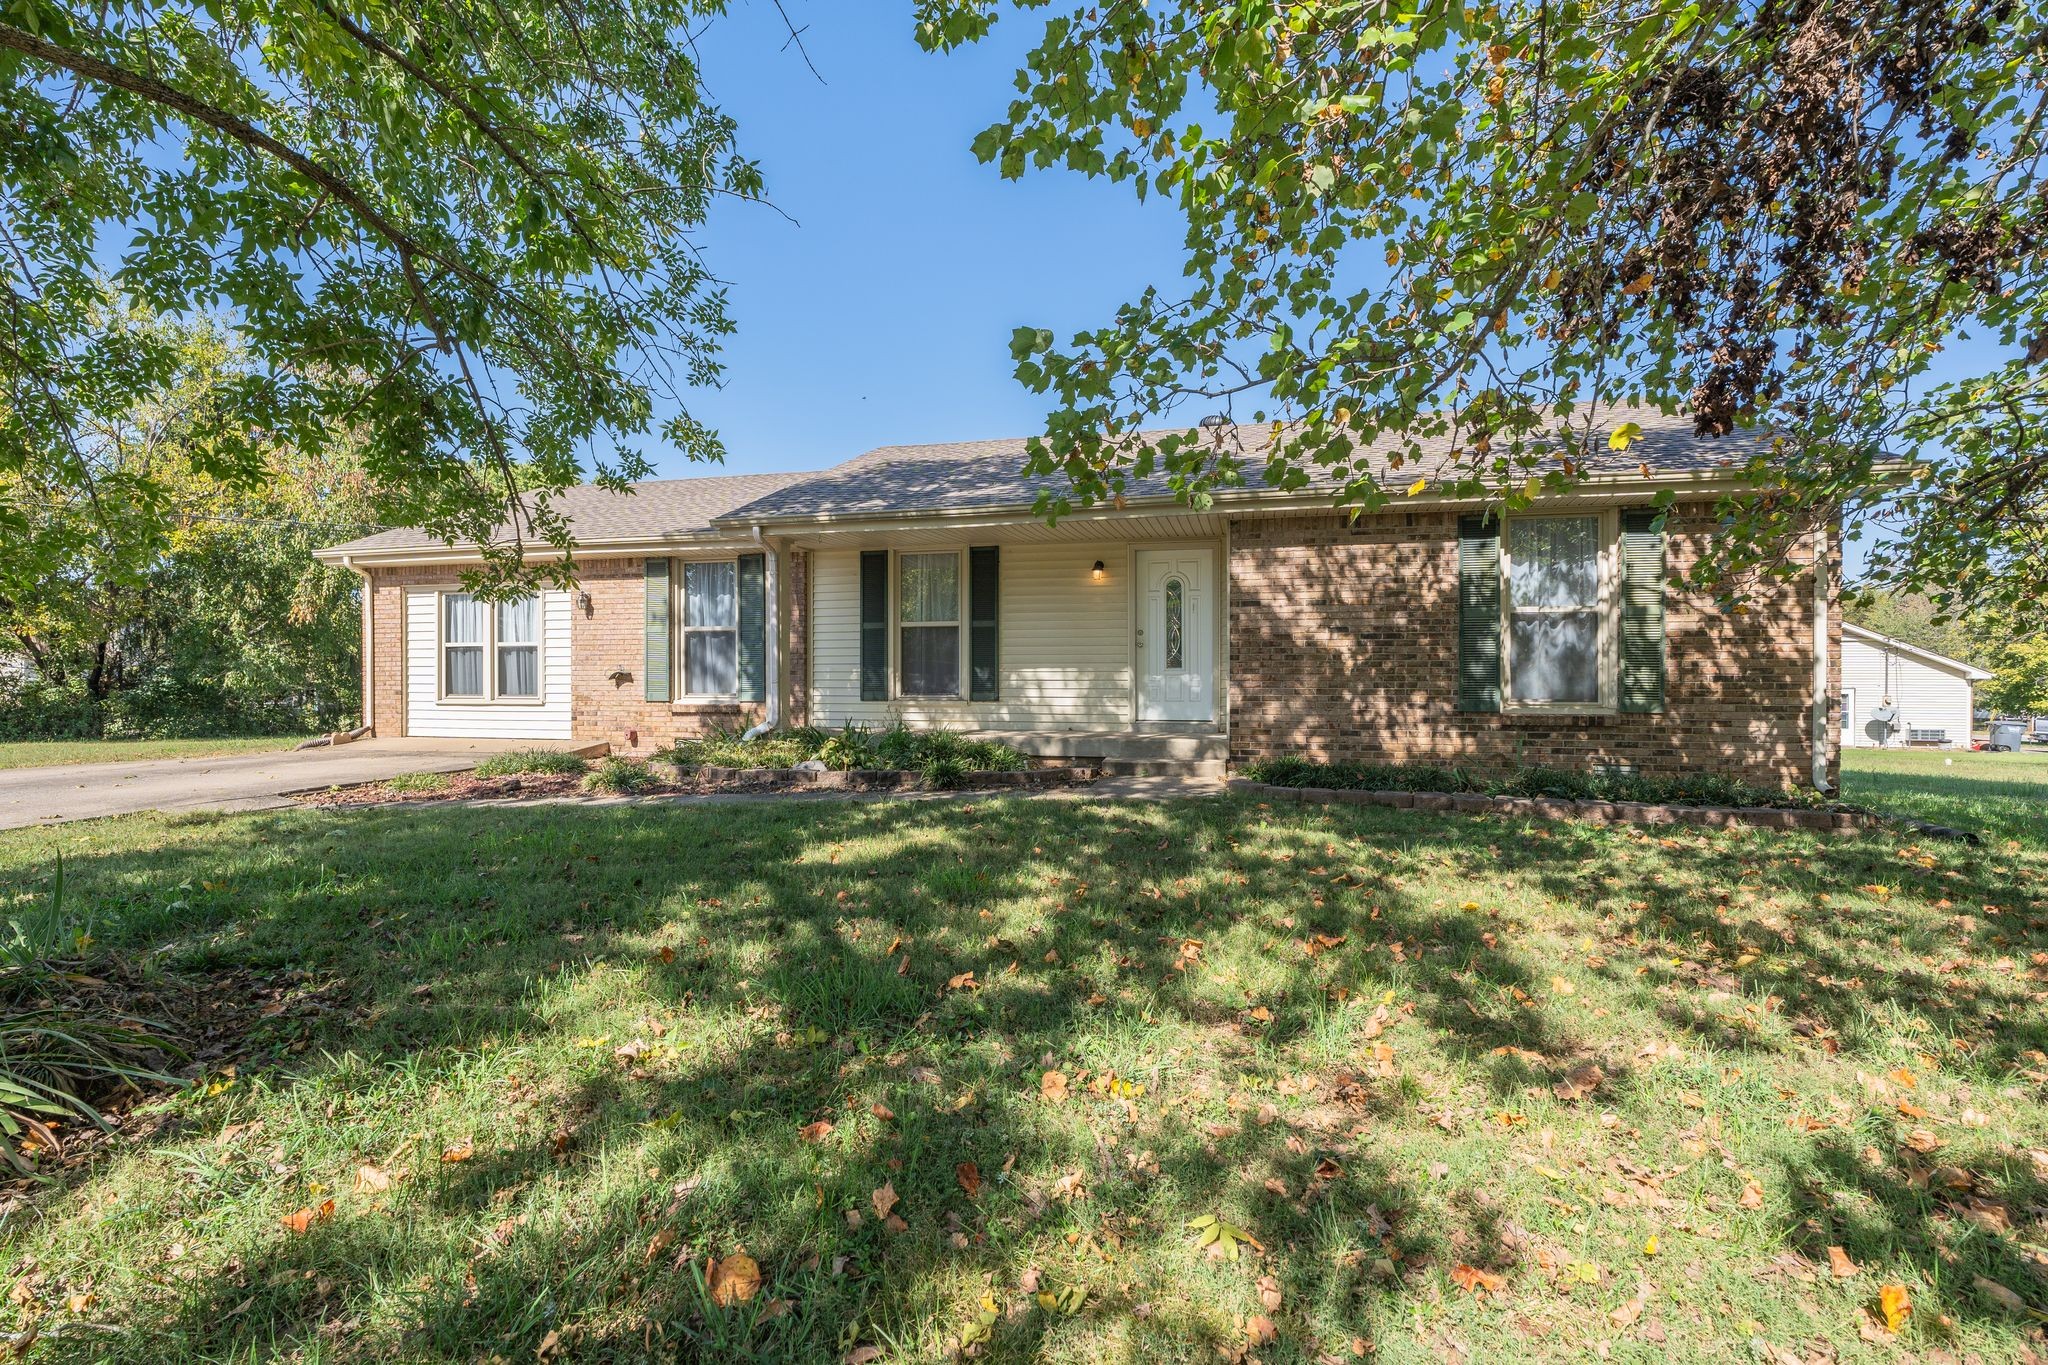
773 631
369 664
1822 586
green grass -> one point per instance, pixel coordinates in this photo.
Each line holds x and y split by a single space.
414 784
1354 1029
943 757
36 753
2002 794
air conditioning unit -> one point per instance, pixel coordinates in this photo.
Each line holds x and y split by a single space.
1926 736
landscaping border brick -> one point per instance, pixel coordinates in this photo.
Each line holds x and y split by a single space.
1560 808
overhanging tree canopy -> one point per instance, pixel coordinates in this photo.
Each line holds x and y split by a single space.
458 231
1467 218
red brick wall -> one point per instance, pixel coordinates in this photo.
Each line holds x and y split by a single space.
606 638
1344 647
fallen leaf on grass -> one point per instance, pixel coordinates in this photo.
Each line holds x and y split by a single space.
1840 1264
1894 1306
884 1199
735 1279
882 1111
1999 1294
1221 1239
1065 1302
1752 1196
302 1219
1581 1081
815 1132
370 1180
1260 1331
459 1151
1052 1087
969 1176
1269 1293
863 1355
661 1241
1474 1280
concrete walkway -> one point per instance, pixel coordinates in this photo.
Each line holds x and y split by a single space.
85 791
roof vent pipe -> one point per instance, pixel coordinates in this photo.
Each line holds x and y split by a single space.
1214 420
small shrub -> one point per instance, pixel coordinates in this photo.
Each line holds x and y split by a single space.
942 771
728 749
548 762
413 784
620 777
851 748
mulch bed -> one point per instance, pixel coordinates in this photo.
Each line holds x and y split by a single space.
672 781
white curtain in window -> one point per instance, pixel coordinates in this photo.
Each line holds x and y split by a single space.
711 617
928 604
1554 609
462 632
711 594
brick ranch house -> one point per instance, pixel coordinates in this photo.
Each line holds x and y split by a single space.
913 583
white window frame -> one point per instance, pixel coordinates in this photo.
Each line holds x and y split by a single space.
684 630
1608 608
489 644
897 625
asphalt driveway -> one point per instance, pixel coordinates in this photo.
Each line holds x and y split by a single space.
83 791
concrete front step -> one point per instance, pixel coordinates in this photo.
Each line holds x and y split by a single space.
1165 744
1194 769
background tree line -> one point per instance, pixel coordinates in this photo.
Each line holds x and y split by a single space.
147 596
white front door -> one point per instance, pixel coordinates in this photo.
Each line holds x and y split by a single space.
1176 619
1851 737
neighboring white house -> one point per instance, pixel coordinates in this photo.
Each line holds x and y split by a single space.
1898 694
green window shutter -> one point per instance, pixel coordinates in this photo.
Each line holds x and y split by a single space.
753 640
984 563
1478 614
1642 612
874 625
660 608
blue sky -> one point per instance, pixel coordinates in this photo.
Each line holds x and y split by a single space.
884 313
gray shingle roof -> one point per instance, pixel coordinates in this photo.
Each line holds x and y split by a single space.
958 475
658 509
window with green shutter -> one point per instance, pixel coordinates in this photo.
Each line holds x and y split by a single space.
1641 573
753 627
654 666
1478 614
874 625
984 647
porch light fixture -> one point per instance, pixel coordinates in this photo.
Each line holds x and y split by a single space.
1097 573
583 602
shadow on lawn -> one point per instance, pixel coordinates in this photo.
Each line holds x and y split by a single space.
792 920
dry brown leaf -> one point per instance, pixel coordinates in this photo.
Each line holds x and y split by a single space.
1269 1293
969 1176
884 1199
1752 1196
735 1279
661 1241
370 1180
459 1151
1999 1294
1475 1280
1581 1081
863 1355
1920 1140
816 1132
1260 1331
302 1219
1840 1264
1052 1087
882 1112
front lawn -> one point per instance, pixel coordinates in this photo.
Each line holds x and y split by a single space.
37 753
2002 794
1465 1088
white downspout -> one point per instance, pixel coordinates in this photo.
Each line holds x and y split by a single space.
369 665
772 628
1821 589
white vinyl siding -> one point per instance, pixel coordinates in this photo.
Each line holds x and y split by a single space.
1927 697
1065 645
428 714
